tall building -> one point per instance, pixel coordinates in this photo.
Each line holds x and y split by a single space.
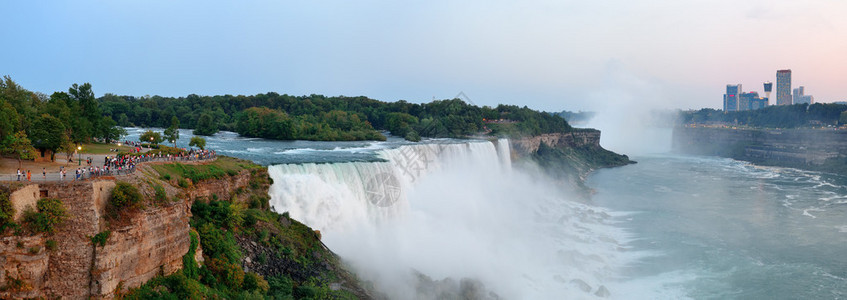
768 89
799 95
730 99
751 101
783 87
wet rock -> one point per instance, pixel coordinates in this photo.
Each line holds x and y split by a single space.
580 284
603 292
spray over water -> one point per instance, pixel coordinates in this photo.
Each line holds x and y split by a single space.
455 218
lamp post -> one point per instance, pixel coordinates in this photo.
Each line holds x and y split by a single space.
79 155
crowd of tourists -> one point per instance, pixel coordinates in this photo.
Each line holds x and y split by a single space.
118 165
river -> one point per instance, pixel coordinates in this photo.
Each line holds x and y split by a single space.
725 229
669 227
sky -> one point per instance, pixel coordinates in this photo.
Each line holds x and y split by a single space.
548 55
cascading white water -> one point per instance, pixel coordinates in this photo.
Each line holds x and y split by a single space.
453 210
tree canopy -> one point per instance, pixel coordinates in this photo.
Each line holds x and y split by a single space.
776 116
317 117
48 122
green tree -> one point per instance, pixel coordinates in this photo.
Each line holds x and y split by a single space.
8 121
151 136
86 110
172 132
21 147
113 132
68 148
48 132
842 119
205 125
197 141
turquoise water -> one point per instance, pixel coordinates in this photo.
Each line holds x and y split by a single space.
717 228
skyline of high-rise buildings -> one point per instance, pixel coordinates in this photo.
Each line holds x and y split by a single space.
735 99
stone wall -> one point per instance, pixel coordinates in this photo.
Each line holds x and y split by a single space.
23 198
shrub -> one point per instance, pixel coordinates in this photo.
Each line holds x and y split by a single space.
167 177
255 282
189 265
101 238
250 219
7 212
51 245
413 136
175 286
227 273
218 243
220 213
262 258
161 196
50 213
280 287
306 292
258 202
15 284
182 183
125 195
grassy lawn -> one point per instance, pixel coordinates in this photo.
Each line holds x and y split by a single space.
219 168
98 148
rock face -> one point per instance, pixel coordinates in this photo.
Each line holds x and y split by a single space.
577 138
221 188
785 147
152 243
23 198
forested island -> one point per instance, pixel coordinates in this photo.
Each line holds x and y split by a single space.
318 117
58 122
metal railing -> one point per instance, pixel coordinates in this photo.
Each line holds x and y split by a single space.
113 171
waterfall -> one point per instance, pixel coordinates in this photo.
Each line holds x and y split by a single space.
331 197
453 209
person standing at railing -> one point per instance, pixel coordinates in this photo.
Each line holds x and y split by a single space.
44 173
29 175
19 174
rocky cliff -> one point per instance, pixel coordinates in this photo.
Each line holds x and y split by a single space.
817 149
202 230
568 157
152 242
142 244
575 139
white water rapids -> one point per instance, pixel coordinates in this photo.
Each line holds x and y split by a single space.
455 210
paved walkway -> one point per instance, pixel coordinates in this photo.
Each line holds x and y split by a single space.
96 160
